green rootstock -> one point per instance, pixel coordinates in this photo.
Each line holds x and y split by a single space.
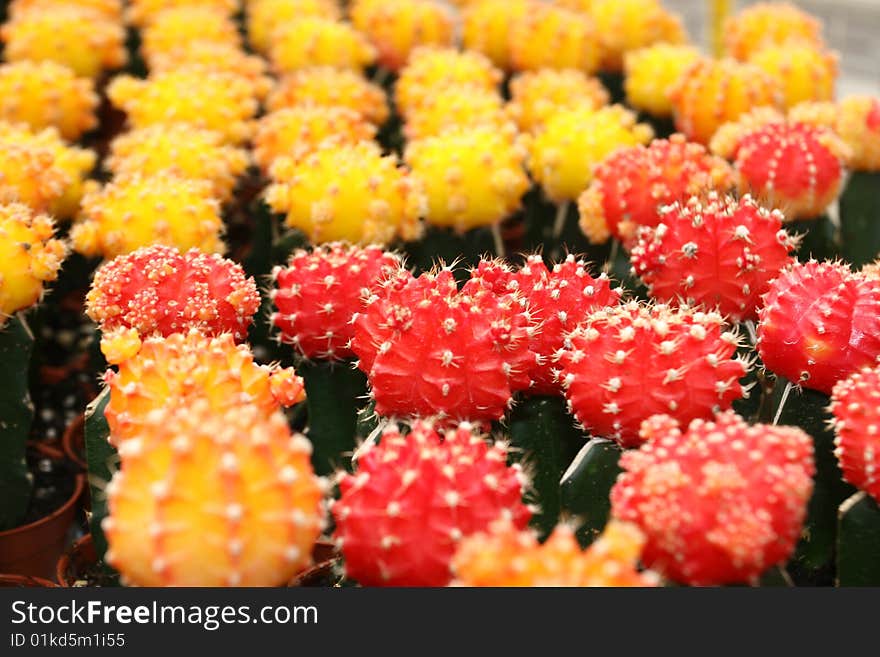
102 461
819 238
586 487
813 561
544 439
335 391
16 415
858 542
860 218
447 246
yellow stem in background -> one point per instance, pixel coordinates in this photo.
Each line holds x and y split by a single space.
720 9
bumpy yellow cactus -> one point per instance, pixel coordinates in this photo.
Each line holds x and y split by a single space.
714 91
858 124
471 176
208 499
182 26
486 27
626 25
651 72
40 170
145 12
347 192
297 131
552 37
111 9
30 256
396 27
181 151
330 87
315 41
430 70
766 23
155 372
264 16
222 102
138 211
563 155
457 106
536 96
801 70
82 39
507 557
44 94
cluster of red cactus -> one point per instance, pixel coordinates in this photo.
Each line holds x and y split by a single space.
854 404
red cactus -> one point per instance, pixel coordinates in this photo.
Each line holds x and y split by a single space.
857 425
415 496
319 292
631 184
430 349
720 503
158 290
629 362
820 322
719 252
558 300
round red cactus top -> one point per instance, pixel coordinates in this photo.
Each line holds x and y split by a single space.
430 349
819 323
854 404
717 252
631 184
158 290
415 496
320 291
720 502
631 361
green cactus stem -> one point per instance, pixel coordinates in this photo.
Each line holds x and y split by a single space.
819 238
858 542
102 461
16 415
446 245
586 487
335 391
860 218
544 440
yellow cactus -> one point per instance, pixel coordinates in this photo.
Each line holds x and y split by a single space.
563 155
457 106
207 499
40 170
714 91
347 192
222 102
626 25
538 95
30 256
471 177
181 151
551 37
396 27
44 94
154 372
111 9
144 12
315 41
180 27
766 23
507 557
330 87
82 39
430 70
801 70
297 131
138 211
858 124
487 25
651 72
209 56
264 16
818 113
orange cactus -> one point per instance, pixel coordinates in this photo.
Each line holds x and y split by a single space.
537 95
767 23
574 38
487 26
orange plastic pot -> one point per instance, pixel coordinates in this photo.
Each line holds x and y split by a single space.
75 562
